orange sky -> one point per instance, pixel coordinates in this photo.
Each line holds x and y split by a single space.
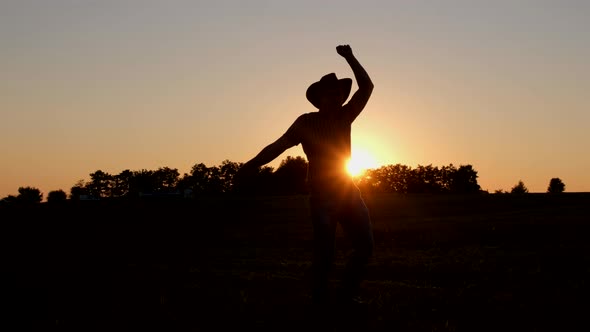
111 85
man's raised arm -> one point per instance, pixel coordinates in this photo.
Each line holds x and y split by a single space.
361 96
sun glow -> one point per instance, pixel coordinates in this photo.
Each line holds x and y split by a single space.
360 161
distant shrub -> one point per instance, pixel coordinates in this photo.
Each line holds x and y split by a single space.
556 186
519 188
56 196
8 200
29 195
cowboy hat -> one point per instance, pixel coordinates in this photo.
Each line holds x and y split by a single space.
329 81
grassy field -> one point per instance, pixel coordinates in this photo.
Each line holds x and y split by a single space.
441 263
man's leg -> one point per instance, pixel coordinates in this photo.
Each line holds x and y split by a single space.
324 230
357 227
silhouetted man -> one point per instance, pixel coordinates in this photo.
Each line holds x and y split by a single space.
325 138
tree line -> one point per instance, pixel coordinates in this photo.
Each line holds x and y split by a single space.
288 179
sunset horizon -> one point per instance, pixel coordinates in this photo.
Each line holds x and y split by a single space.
112 86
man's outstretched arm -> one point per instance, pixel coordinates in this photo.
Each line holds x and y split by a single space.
361 96
268 154
271 151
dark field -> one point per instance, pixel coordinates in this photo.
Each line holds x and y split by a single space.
441 263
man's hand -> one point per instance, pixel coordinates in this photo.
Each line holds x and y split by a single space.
344 50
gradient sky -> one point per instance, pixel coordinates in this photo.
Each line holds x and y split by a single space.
115 85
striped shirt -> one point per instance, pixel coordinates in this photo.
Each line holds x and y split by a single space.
325 139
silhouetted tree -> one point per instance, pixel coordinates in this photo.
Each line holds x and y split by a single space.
464 180
202 180
165 179
141 182
100 184
519 188
260 182
214 181
447 176
29 195
121 185
389 178
78 190
394 178
8 200
291 176
227 171
264 179
425 179
366 182
556 186
56 196
184 184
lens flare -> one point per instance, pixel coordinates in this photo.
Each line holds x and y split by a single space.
360 161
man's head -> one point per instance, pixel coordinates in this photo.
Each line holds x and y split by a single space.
329 91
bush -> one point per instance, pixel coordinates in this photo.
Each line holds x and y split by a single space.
519 188
556 186
56 196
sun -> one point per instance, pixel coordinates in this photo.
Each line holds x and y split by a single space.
360 161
